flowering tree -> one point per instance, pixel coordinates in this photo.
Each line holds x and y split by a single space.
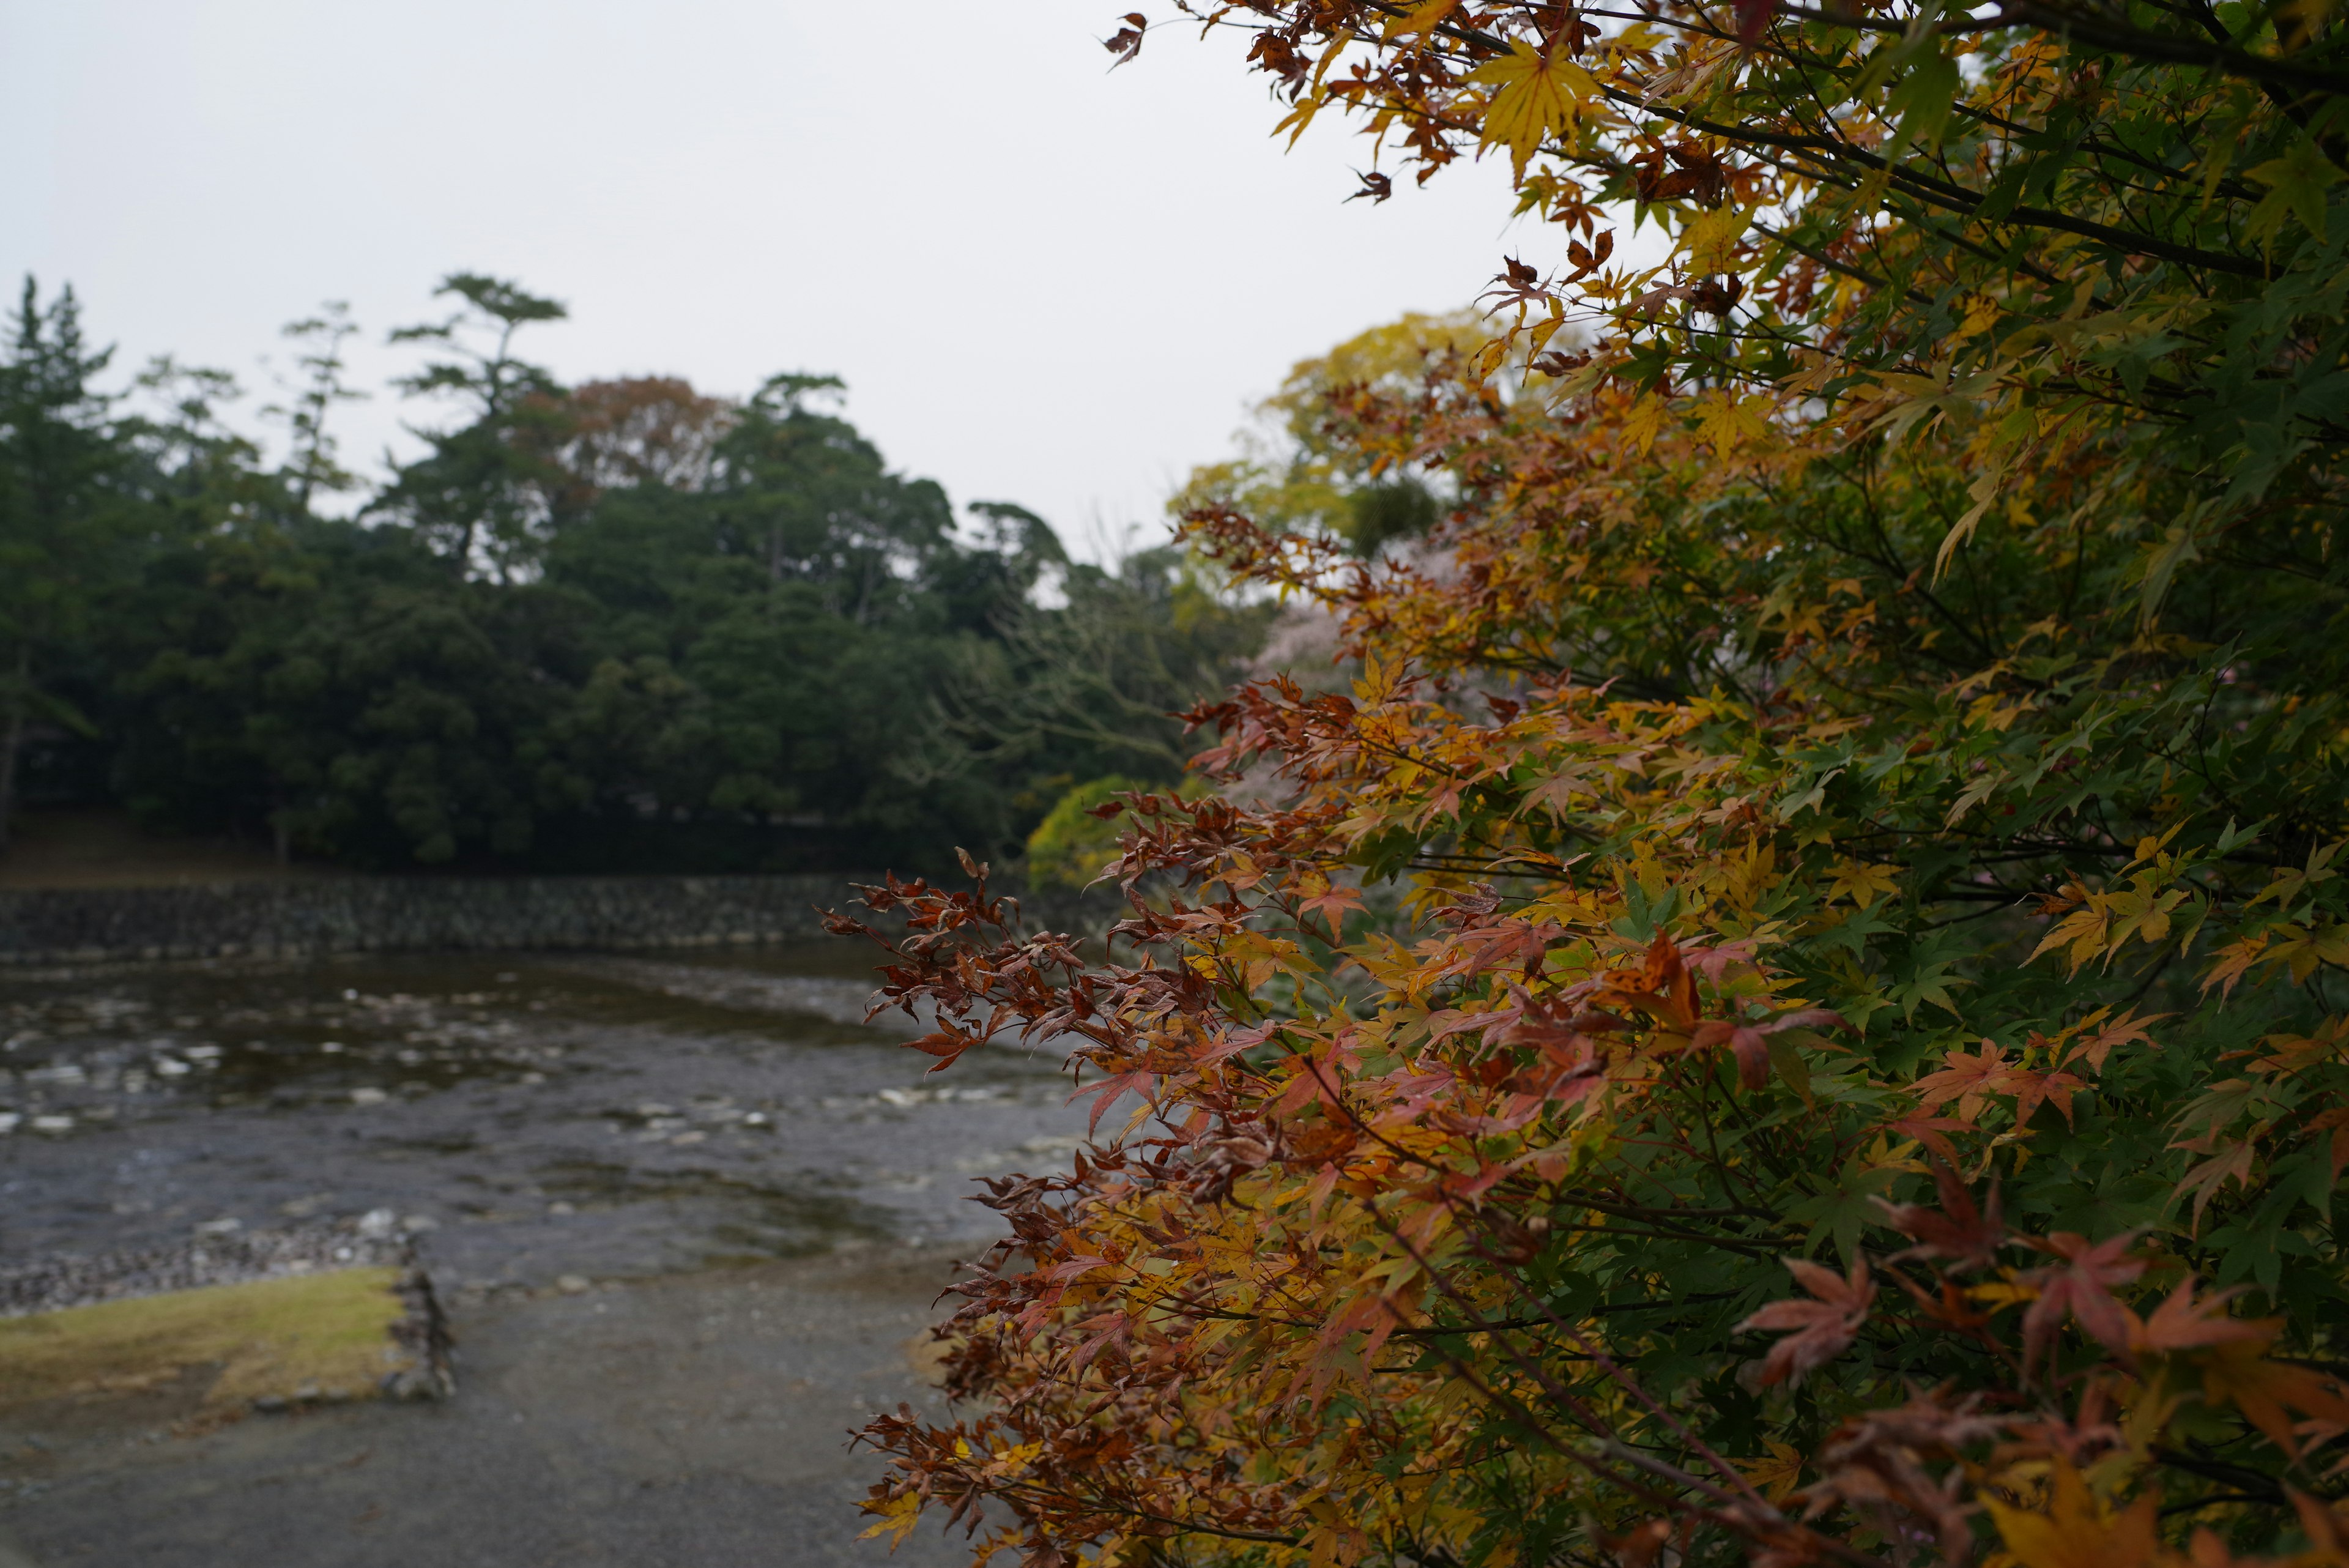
1856 1071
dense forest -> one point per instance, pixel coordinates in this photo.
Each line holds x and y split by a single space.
616 626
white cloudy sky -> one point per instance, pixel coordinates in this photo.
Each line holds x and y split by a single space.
1043 280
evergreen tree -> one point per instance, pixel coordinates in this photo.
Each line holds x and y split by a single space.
59 519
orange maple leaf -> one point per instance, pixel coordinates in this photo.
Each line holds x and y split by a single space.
1661 986
2125 1029
2242 1373
1971 1080
2204 1180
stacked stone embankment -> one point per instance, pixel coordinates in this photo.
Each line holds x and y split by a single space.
56 1284
409 914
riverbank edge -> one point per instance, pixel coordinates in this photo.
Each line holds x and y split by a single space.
50 928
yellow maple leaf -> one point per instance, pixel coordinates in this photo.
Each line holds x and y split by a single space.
1728 420
1710 237
1646 417
1420 19
1776 1477
1982 313
899 1514
1536 98
2304 952
1862 884
2077 1531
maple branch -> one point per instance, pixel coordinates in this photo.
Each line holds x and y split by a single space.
1187 1527
1947 194
1749 1249
2240 1476
1629 1384
2102 32
1727 1510
1952 196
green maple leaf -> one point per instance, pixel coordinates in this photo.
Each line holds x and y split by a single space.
2296 185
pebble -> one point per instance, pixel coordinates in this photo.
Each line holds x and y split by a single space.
222 1258
369 1096
572 1286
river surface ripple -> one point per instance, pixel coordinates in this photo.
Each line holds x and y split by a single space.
526 1118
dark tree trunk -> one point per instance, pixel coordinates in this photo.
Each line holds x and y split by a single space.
11 742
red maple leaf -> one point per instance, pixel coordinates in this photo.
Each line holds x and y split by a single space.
1822 1328
1749 1042
2081 1287
2181 1323
1931 1131
1958 1232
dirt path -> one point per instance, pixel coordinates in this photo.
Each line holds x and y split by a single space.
100 846
693 1419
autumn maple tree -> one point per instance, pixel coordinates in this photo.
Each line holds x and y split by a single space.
1790 1010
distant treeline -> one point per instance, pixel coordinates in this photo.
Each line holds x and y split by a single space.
619 626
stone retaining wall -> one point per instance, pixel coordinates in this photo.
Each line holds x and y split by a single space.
369 914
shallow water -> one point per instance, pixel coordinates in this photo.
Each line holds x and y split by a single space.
527 1117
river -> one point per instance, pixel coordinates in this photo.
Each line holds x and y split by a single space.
528 1117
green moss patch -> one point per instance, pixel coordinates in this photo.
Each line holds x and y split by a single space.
306 1335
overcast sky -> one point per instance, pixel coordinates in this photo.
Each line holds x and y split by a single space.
1043 280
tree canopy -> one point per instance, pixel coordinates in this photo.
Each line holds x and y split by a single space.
618 626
